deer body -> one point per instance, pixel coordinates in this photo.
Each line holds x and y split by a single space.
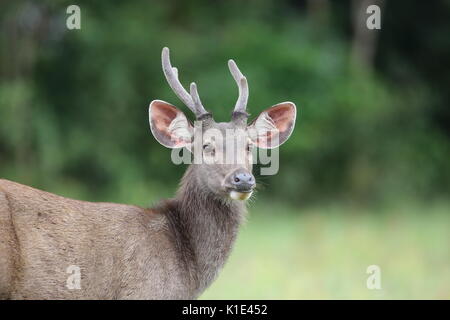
171 251
122 251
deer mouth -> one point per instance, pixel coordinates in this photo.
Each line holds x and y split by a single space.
240 195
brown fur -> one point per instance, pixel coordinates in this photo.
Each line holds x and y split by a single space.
124 252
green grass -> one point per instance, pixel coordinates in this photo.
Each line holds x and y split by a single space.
323 253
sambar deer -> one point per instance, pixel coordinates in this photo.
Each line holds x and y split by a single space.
171 251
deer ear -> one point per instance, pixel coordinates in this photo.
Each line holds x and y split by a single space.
273 126
169 125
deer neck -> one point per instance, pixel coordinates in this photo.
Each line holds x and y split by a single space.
204 227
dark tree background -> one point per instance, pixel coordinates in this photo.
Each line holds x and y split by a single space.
373 104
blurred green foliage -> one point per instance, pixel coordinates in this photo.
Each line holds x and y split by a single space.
73 104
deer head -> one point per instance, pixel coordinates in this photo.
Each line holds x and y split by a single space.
224 148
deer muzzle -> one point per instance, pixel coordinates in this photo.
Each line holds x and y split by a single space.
241 184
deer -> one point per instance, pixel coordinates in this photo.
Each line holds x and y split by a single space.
173 250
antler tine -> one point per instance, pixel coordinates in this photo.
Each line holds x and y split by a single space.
241 81
192 101
195 96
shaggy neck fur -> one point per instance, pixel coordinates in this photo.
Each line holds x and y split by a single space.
203 227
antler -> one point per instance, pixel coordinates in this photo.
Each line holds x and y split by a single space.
241 81
192 100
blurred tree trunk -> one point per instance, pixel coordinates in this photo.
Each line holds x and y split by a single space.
22 31
364 43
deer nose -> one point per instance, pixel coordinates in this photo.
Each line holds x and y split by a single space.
243 180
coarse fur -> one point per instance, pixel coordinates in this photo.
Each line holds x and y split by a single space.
173 251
